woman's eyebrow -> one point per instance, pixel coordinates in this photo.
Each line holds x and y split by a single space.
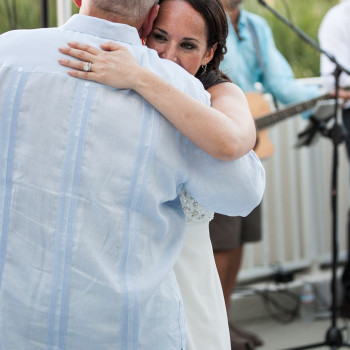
161 30
191 39
166 33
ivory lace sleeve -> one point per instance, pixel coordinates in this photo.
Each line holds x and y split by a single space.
193 211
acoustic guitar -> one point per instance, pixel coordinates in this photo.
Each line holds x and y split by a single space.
264 118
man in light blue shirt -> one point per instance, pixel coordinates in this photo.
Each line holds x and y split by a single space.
252 57
91 223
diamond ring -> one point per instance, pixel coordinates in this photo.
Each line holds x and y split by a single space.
87 67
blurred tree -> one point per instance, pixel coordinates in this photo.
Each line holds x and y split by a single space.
23 14
11 12
305 15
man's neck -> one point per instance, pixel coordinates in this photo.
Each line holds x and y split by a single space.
108 16
111 18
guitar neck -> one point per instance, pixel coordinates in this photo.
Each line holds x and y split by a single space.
275 117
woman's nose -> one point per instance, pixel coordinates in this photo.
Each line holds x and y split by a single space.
170 53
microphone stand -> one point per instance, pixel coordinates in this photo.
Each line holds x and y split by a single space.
333 337
44 13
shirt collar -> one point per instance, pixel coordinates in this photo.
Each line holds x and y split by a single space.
242 23
103 28
242 19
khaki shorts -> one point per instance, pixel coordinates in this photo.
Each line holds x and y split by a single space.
230 232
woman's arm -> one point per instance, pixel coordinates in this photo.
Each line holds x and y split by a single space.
225 131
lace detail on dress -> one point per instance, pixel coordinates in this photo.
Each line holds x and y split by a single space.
193 211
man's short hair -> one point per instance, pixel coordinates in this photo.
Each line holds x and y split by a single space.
133 9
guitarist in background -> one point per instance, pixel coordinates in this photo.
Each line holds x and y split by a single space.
251 57
334 38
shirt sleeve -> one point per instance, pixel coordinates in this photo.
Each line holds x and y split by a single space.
231 188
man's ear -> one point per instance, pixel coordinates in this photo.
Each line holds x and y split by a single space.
78 3
147 25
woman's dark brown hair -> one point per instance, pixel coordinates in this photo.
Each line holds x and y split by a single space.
214 16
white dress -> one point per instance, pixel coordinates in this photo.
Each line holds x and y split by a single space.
197 276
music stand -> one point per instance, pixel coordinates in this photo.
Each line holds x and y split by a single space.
333 337
318 123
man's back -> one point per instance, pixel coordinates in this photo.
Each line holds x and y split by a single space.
91 222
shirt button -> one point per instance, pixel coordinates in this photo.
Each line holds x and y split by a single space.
87 84
20 69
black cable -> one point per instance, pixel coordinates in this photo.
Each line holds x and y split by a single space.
277 310
322 302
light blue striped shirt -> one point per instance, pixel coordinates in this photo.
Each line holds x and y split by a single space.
90 218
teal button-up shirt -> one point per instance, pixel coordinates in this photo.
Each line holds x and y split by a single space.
243 66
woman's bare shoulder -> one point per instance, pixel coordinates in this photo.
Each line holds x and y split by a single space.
226 88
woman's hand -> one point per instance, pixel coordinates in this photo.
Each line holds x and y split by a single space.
114 65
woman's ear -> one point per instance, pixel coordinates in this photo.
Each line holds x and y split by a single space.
147 25
209 55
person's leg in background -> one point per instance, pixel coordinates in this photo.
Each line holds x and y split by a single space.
228 235
228 263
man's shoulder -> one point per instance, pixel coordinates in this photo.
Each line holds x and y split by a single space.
11 35
340 9
21 40
334 19
24 34
30 48
164 66
175 75
343 6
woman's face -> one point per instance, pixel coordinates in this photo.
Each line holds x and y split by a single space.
179 34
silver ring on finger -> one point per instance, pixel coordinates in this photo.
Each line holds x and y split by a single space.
87 67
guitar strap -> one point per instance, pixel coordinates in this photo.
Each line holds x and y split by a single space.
256 45
257 48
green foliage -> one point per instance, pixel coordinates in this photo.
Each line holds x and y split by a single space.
24 14
305 15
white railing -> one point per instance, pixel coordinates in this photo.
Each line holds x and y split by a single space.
64 11
297 216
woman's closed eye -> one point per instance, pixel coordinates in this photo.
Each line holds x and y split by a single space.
188 45
159 37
